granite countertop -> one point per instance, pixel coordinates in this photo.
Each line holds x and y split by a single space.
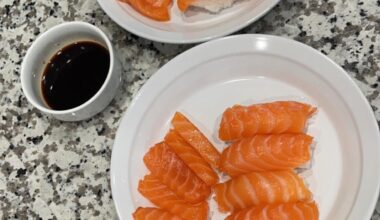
55 170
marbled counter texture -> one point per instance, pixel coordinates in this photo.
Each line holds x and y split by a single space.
55 170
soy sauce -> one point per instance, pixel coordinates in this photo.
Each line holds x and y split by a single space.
74 74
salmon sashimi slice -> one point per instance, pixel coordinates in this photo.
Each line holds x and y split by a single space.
266 152
173 172
192 158
183 5
260 188
160 195
196 139
155 9
268 118
153 214
291 211
159 3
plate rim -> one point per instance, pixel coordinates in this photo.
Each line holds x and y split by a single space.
371 194
174 39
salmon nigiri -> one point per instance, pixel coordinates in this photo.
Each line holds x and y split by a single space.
260 188
266 152
191 157
153 214
291 211
155 9
173 172
160 195
268 118
196 139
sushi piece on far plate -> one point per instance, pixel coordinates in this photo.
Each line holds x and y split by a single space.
155 9
259 188
291 211
213 6
266 152
160 195
192 158
192 135
267 118
153 214
173 172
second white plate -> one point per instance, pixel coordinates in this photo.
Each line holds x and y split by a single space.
248 69
192 27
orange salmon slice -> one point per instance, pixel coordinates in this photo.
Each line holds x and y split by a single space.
155 9
291 211
153 214
268 118
259 188
160 195
192 135
173 172
183 5
192 158
265 153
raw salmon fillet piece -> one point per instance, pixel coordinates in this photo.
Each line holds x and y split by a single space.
160 195
153 214
155 9
173 172
183 5
268 118
266 152
196 139
259 188
191 157
291 211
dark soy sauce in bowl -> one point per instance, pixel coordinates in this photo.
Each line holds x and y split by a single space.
75 74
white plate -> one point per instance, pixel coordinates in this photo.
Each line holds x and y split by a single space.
192 27
245 69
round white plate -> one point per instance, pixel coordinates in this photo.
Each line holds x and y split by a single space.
193 26
246 69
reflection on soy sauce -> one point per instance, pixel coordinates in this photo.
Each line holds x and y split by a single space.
74 74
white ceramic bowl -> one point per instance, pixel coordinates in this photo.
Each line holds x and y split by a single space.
45 46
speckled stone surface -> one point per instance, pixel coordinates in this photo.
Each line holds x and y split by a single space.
55 170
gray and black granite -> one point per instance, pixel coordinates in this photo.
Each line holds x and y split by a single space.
56 170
